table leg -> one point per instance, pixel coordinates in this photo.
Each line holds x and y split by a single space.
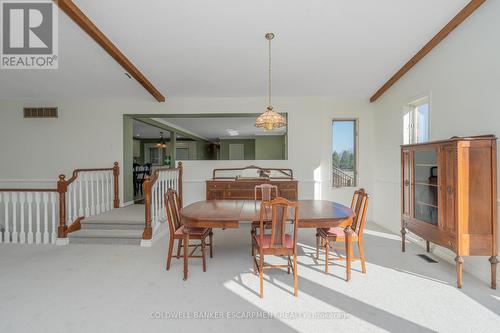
348 251
186 252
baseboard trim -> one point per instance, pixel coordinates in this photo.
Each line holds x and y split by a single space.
128 203
62 241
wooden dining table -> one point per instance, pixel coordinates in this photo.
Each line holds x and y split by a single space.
229 214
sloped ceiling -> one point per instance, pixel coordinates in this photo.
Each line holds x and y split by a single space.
199 48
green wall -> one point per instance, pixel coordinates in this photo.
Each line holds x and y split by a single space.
249 148
128 153
270 147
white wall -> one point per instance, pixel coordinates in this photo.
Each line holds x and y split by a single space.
89 134
463 77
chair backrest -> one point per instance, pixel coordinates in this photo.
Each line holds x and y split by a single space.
359 205
278 212
172 205
266 191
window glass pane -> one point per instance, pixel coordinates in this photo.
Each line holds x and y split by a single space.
422 123
344 153
406 128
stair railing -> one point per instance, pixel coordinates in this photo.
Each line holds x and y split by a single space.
155 188
31 215
341 179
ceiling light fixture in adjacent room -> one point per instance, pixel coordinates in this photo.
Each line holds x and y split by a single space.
270 119
161 143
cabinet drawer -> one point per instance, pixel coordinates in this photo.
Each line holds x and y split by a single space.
287 185
239 194
218 185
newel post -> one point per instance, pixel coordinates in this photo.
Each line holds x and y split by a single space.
180 183
116 173
62 188
148 230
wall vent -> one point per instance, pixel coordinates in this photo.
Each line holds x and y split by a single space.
40 113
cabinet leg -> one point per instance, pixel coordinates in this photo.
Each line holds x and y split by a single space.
494 262
459 263
403 239
428 246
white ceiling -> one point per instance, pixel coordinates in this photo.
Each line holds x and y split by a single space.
221 127
199 48
145 131
206 128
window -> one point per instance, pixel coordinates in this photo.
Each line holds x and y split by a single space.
155 156
416 122
344 150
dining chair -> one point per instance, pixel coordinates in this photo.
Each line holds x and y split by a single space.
172 205
324 236
275 241
266 194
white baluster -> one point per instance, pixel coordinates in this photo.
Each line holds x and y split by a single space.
53 198
98 192
38 234
80 197
45 218
154 201
75 208
22 201
108 193
68 203
29 197
103 188
87 202
6 233
92 205
1 234
15 235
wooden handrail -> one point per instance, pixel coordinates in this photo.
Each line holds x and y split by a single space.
62 189
28 190
148 185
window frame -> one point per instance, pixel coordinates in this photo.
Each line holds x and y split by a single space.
410 108
356 151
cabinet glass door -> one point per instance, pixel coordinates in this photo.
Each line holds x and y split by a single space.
426 173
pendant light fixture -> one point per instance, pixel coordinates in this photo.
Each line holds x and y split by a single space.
270 119
161 143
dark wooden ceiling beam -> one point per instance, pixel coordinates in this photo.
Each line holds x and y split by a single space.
455 22
93 31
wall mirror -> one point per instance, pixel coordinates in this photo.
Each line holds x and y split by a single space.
164 139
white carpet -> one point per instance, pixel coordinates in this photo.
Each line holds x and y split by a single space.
117 288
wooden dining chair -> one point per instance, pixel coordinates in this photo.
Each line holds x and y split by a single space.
266 194
275 241
172 205
359 205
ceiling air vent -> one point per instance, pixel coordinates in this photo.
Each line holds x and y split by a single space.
40 112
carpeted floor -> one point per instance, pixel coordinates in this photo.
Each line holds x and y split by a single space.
118 288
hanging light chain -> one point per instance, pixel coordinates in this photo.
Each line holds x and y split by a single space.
270 79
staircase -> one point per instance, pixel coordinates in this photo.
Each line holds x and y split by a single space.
118 226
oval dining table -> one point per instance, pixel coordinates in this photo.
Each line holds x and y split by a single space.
229 214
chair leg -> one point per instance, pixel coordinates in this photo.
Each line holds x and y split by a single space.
261 271
203 254
252 232
179 246
362 255
170 249
211 237
317 245
295 277
253 259
327 252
